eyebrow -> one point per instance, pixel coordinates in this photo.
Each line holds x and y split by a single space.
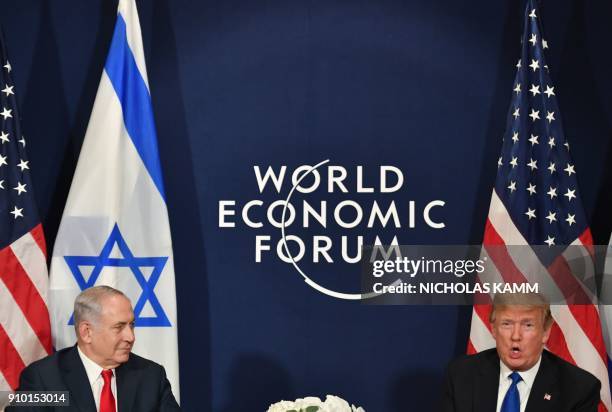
524 320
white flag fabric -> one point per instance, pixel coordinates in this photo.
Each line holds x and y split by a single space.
115 229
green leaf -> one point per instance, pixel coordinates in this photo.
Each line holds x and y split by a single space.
312 409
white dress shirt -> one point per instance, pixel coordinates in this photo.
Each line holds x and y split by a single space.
524 386
94 375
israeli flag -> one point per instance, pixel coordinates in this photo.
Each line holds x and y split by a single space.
115 229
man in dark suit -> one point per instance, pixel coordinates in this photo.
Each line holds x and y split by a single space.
100 372
519 375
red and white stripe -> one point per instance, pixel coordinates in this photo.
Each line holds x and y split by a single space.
576 334
25 331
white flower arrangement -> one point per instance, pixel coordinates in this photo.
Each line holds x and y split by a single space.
313 404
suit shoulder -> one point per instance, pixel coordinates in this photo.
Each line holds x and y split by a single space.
45 373
43 363
572 372
48 362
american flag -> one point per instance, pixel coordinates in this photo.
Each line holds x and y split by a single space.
535 201
25 331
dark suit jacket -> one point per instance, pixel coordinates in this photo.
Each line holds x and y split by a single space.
142 385
472 383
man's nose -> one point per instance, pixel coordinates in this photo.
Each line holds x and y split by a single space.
516 332
128 335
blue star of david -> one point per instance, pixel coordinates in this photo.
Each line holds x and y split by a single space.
130 261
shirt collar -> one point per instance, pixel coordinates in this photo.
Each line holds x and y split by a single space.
528 376
92 369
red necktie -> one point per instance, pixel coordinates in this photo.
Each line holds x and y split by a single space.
107 400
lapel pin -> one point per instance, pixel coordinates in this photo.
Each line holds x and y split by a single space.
547 396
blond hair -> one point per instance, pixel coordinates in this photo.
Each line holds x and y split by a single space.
526 300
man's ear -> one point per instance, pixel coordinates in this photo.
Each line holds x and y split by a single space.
85 330
546 333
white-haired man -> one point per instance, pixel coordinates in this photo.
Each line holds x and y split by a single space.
100 372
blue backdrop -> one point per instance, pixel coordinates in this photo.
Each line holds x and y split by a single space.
420 85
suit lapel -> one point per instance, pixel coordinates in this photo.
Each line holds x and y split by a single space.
544 391
127 383
487 383
75 378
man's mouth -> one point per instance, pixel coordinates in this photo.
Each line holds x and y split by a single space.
515 352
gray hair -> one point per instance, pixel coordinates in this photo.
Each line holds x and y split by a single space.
88 306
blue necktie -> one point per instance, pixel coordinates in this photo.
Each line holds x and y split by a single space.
512 401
